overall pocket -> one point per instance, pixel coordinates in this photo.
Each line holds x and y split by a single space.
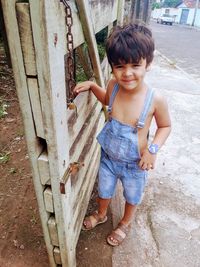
117 147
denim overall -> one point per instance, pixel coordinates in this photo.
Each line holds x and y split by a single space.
120 155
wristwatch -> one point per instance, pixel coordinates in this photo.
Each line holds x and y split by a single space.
153 148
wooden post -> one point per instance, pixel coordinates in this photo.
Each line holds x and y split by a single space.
85 17
120 13
35 147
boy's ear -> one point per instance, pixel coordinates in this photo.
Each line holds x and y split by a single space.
148 67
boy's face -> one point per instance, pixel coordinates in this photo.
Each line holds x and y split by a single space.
130 76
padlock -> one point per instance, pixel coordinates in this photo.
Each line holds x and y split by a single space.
71 105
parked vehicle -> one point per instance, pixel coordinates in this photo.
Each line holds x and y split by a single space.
165 19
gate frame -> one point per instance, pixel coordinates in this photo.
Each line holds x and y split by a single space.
38 67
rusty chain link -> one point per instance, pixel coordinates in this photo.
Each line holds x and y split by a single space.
69 66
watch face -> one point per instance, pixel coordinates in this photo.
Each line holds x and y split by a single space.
153 148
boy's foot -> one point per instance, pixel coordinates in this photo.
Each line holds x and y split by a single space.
92 221
118 235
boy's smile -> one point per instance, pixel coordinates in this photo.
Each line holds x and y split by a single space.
130 76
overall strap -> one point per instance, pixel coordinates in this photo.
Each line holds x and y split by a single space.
112 97
147 105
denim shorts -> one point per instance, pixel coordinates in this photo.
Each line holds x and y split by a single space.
133 179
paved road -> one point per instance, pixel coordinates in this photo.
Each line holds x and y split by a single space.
181 44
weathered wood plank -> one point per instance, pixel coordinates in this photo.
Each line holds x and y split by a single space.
106 69
48 24
79 182
48 200
53 232
89 183
36 106
50 44
25 32
84 102
103 13
43 165
85 156
34 148
83 135
120 12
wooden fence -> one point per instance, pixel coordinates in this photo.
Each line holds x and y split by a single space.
56 136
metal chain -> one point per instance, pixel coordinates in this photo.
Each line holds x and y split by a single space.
70 55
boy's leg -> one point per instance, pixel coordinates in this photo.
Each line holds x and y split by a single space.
103 206
118 235
97 217
129 213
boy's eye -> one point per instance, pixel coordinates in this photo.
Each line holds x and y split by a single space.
118 66
136 65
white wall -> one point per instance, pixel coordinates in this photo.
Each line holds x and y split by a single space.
190 16
197 20
158 12
176 12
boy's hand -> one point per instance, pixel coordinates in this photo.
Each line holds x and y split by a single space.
147 161
81 87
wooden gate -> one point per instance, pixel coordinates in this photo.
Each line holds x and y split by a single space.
56 136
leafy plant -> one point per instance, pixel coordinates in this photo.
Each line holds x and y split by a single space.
101 50
12 170
4 157
171 3
155 6
3 109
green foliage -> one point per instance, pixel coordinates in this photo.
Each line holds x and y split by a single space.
4 157
101 40
80 74
13 170
3 108
101 50
155 6
102 35
171 3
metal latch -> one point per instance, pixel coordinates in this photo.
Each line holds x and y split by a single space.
71 170
71 105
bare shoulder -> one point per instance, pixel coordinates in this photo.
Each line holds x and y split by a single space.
159 99
161 112
109 89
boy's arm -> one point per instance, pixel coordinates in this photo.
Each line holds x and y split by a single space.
98 91
163 122
101 94
162 118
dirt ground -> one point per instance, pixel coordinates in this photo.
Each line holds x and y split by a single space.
21 237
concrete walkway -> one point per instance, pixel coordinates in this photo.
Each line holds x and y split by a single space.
166 230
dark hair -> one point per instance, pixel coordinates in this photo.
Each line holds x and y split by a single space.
129 44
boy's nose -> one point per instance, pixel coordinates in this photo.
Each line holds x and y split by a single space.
128 72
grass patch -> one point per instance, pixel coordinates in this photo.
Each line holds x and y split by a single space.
13 170
3 108
4 157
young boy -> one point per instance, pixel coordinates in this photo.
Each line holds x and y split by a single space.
125 153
